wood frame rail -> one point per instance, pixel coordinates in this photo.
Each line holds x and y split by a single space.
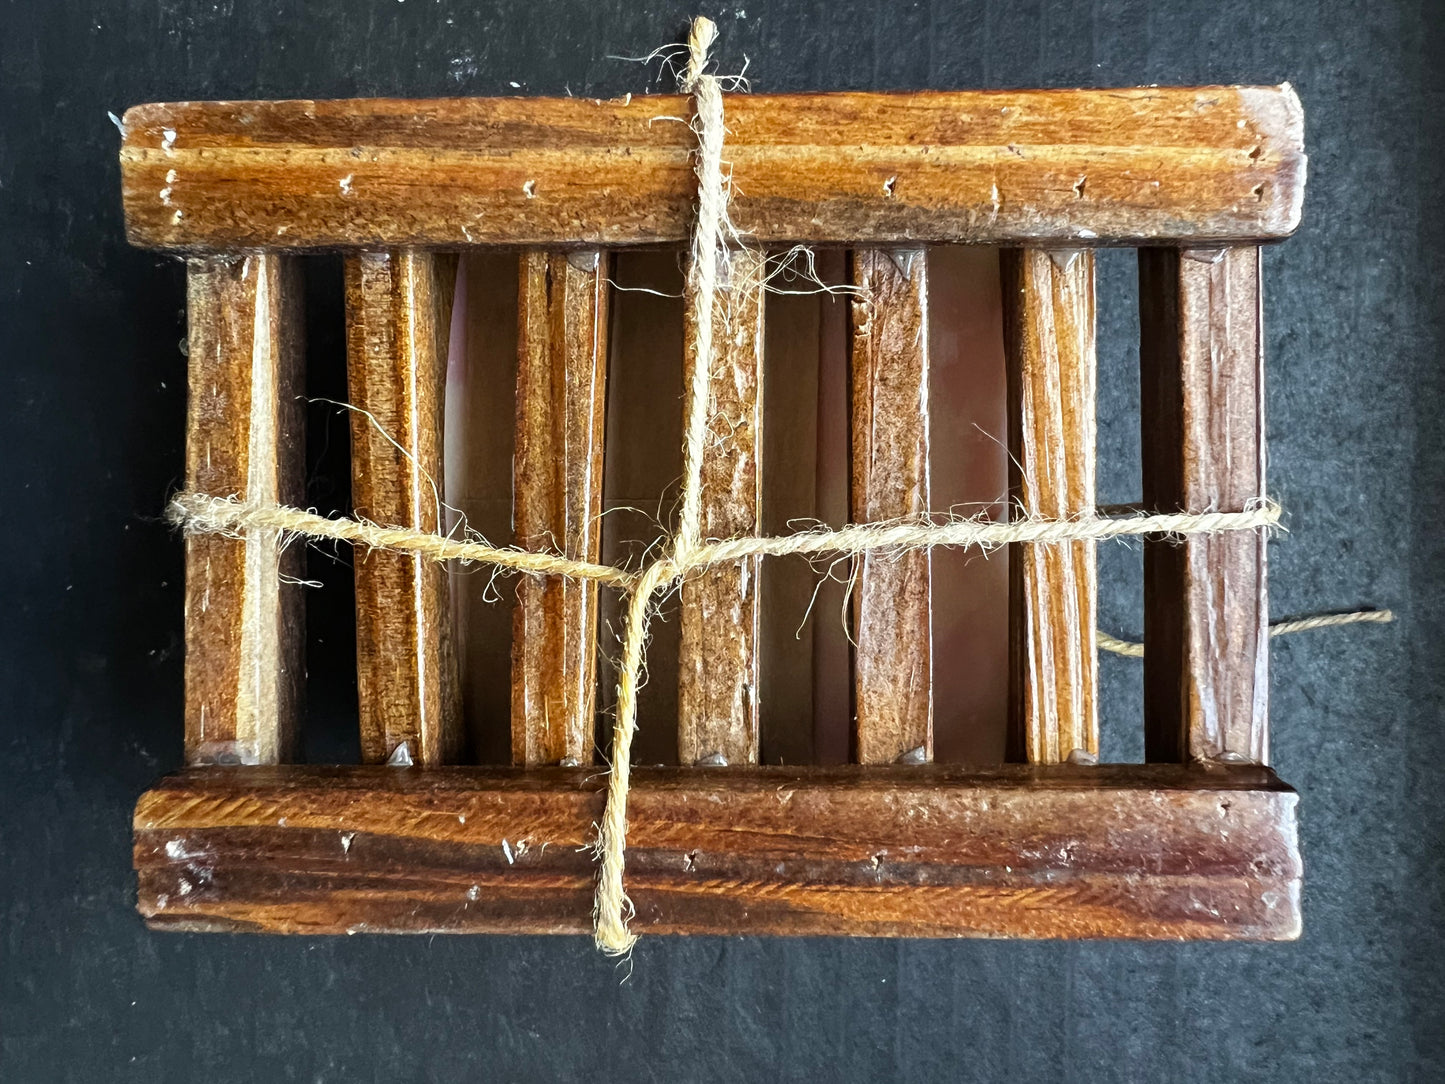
1199 843
1156 851
1098 166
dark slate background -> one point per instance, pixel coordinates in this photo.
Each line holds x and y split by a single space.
92 396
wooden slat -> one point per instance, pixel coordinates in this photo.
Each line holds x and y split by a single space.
891 605
1146 851
557 499
1206 633
398 306
718 673
1207 163
1049 336
245 436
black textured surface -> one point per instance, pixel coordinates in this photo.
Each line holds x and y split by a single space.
92 391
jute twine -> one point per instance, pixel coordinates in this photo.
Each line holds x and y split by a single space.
1135 650
687 552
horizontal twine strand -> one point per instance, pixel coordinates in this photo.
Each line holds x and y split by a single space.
1135 650
201 513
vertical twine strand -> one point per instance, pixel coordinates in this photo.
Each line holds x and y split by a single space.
702 276
613 908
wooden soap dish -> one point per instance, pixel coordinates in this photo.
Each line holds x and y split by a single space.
1200 842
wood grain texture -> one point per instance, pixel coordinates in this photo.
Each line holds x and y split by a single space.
1206 163
557 500
1144 851
244 435
1049 342
1206 615
398 314
892 612
718 669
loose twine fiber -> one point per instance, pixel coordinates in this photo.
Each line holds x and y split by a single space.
688 553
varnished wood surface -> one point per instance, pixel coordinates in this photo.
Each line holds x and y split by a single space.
1205 163
557 499
398 314
893 676
1206 614
1049 337
718 660
1156 851
244 436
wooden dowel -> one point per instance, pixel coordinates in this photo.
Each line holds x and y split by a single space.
244 435
1206 617
398 313
557 500
718 673
891 603
1049 341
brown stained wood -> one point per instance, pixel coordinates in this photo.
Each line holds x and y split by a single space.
1049 337
557 500
398 315
1206 677
1141 851
892 620
718 670
1130 165
245 437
